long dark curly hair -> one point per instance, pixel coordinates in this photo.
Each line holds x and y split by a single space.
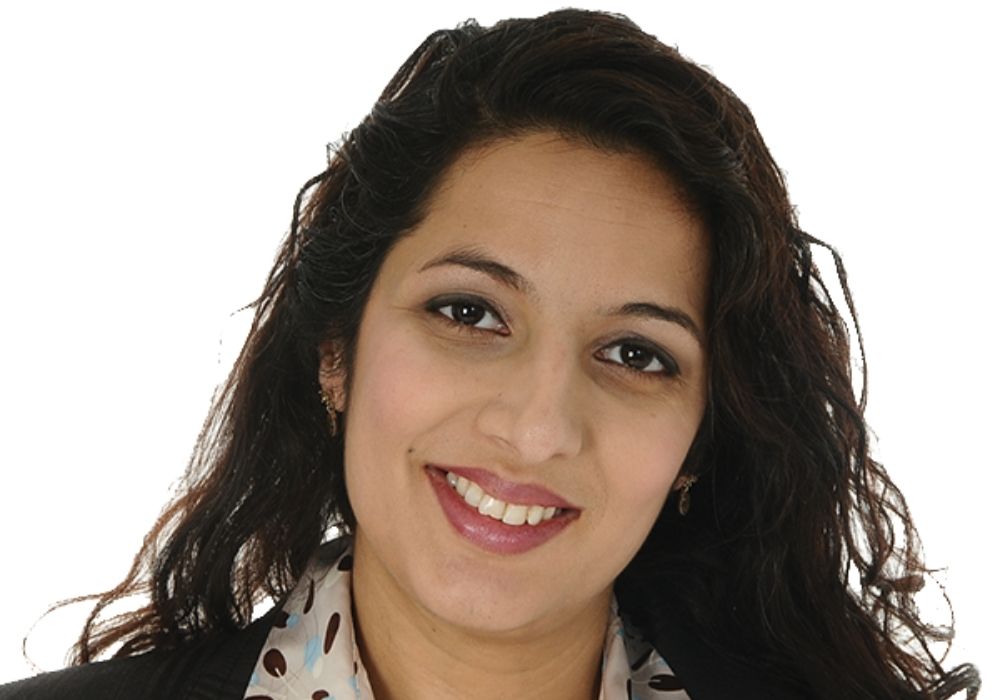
798 555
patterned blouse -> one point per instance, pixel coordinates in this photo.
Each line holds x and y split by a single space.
310 652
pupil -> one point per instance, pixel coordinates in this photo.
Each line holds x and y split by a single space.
635 356
469 313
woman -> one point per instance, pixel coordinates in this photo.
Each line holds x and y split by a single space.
547 350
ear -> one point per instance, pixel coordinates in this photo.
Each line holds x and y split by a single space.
332 377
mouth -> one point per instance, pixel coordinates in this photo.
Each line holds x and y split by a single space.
524 518
510 513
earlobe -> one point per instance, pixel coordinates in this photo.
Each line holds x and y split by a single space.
331 376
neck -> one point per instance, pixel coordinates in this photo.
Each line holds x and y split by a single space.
411 654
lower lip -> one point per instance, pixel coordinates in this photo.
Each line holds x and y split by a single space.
487 533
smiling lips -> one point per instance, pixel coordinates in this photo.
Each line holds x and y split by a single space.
498 515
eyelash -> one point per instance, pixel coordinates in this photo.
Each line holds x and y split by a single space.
669 371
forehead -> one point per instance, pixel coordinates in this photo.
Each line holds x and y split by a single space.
564 213
547 168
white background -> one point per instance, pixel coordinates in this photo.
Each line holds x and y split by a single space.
149 158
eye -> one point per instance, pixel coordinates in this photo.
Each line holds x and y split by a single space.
469 313
640 358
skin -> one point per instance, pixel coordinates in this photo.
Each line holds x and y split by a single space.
542 391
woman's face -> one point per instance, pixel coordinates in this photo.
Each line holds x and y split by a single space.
541 335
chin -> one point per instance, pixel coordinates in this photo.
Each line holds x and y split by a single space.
473 595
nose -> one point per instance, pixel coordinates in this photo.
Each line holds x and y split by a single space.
532 410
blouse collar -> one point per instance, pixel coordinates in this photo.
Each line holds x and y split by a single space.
310 652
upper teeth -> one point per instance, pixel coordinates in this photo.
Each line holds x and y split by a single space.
510 513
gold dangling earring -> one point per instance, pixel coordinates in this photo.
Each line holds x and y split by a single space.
684 503
330 410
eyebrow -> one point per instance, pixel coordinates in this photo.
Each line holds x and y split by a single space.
475 259
670 314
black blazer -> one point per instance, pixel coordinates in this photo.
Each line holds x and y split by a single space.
219 668
214 669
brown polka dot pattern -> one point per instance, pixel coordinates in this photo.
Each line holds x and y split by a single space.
311 598
665 681
331 632
275 664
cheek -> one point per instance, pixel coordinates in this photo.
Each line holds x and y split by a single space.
393 387
397 395
646 484
638 468
642 464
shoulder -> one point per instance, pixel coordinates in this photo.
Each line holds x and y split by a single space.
134 677
218 668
